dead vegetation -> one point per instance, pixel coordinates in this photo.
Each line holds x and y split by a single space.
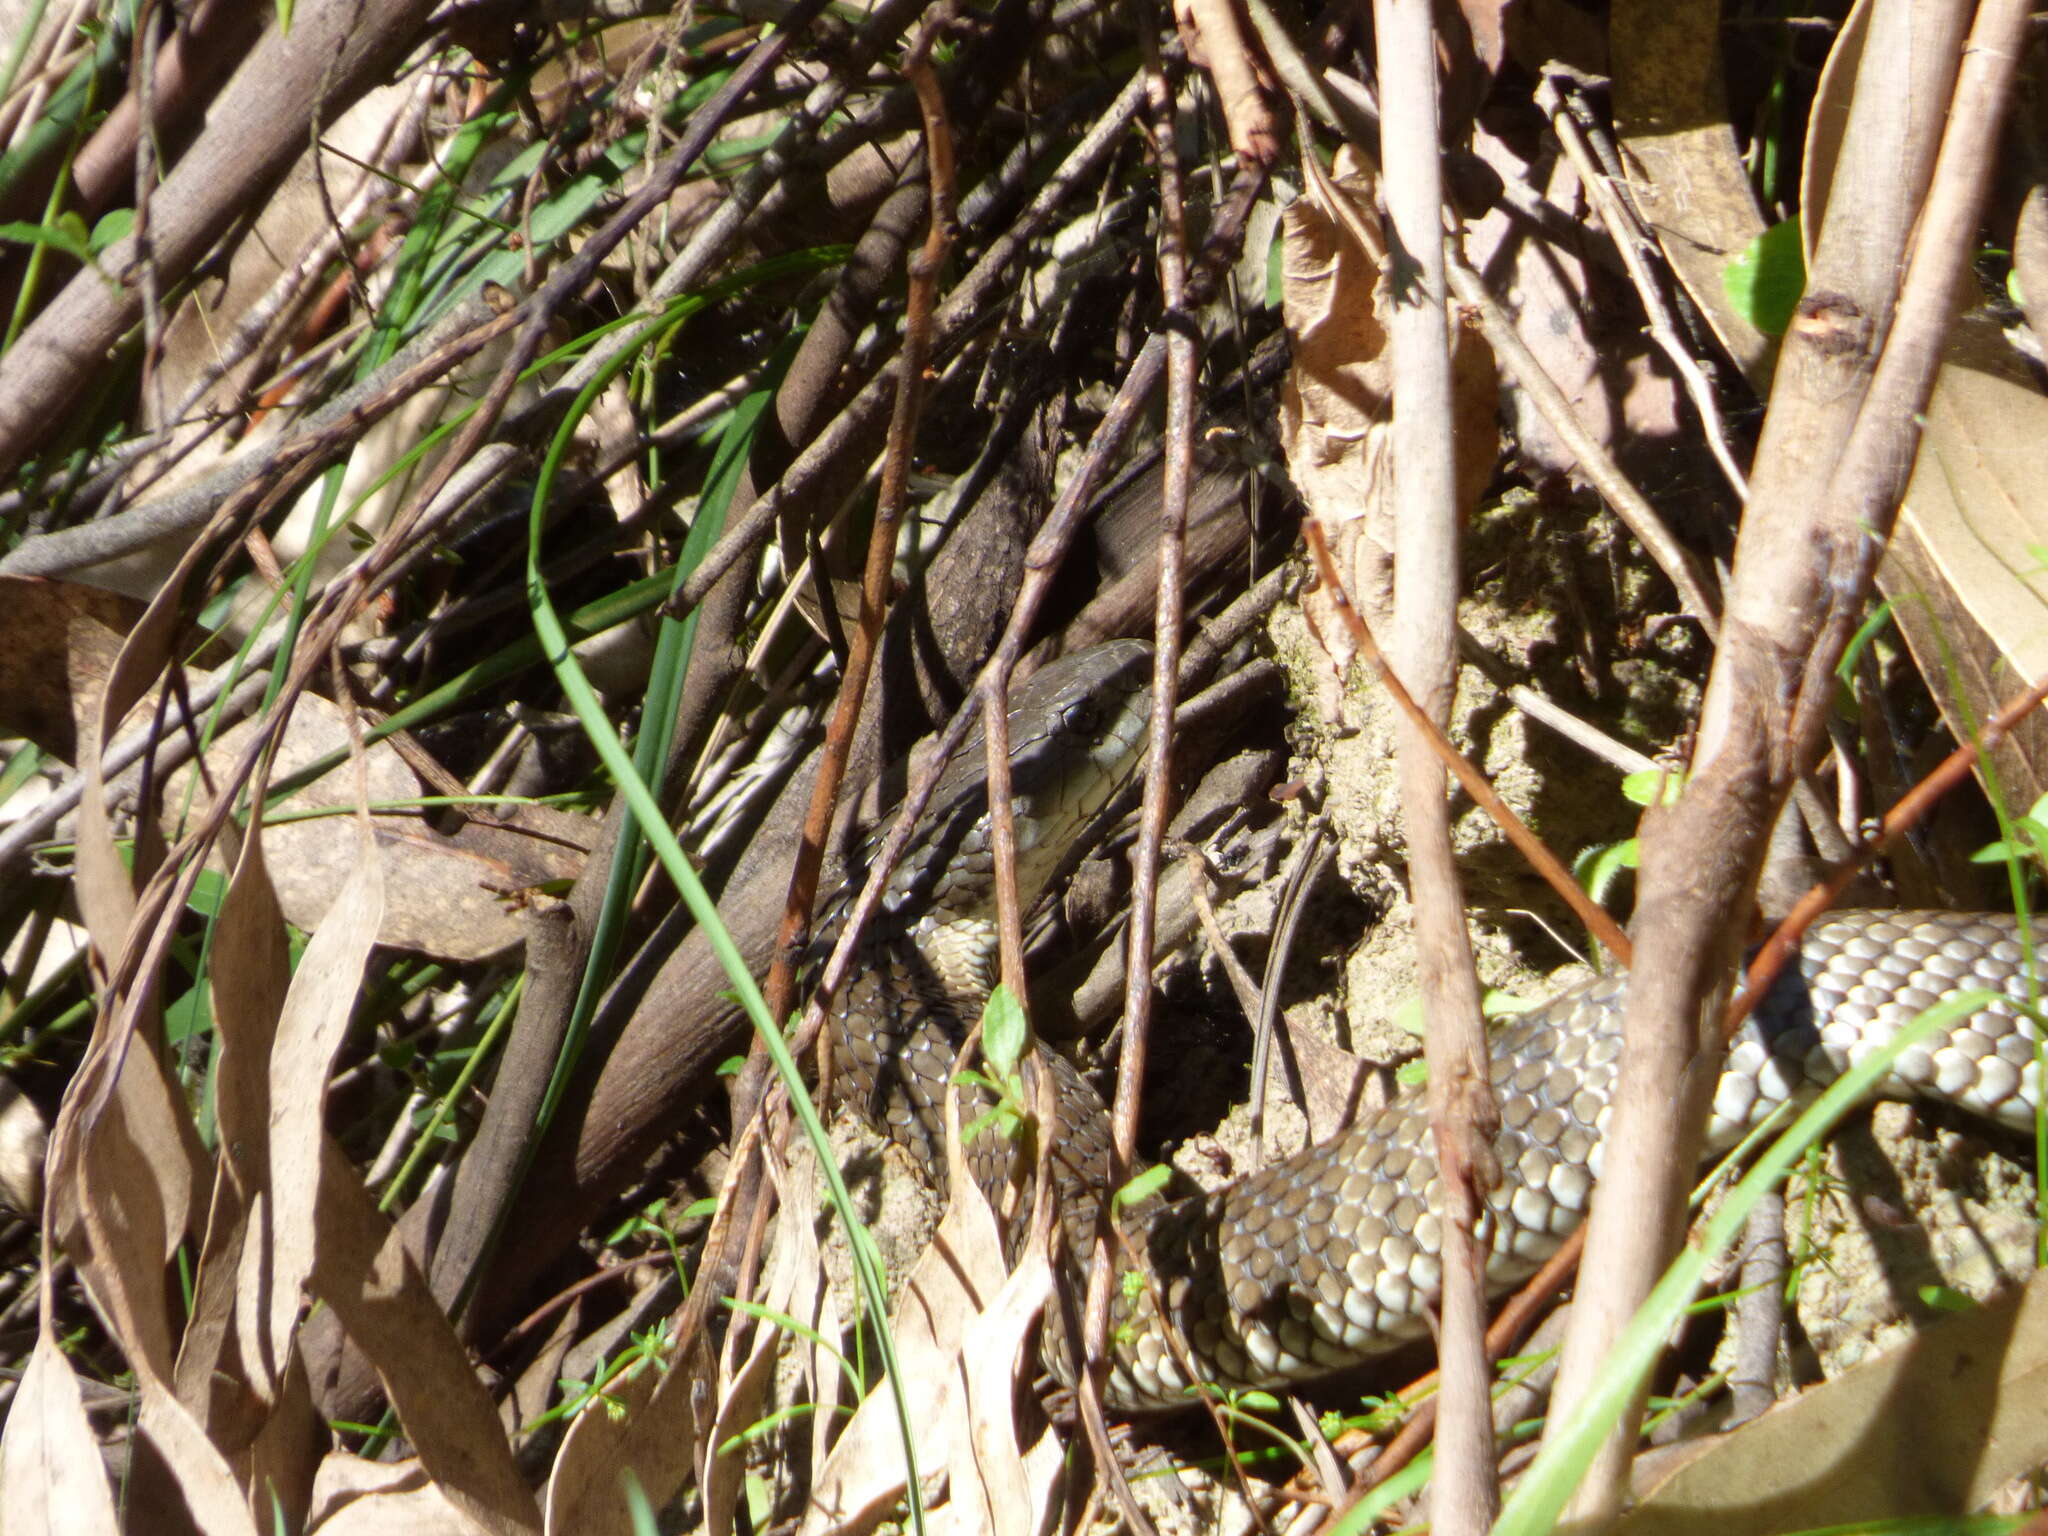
470 441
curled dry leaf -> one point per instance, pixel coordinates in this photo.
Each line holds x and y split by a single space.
1595 353
51 1472
1336 407
316 1014
54 637
1968 566
795 1288
441 900
1336 410
655 1416
1686 170
354 1497
24 1143
2030 264
363 1271
1967 570
1486 20
249 978
1935 1427
999 1485
960 1275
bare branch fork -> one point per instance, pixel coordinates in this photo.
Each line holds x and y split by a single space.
1837 446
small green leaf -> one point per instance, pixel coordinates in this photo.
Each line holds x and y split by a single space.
114 226
1408 1017
1866 632
61 235
1143 1187
1005 1031
2029 842
1765 281
1412 1074
1005 1120
1943 1298
1653 786
1598 868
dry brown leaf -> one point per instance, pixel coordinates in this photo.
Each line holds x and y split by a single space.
1829 120
1977 499
1332 1081
1687 175
1336 412
440 900
1335 403
795 1287
51 1473
316 1013
354 1497
24 1144
250 974
210 1377
122 1058
53 634
285 1455
656 1427
382 1301
1936 1428
538 844
997 1485
219 1505
1967 571
1486 20
959 1274
1599 358
2030 261
648 1426
124 1155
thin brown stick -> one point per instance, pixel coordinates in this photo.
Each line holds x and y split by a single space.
320 440
893 496
1631 240
965 305
1182 363
257 126
1603 927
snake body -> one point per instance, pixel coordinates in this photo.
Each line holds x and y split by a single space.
1331 1257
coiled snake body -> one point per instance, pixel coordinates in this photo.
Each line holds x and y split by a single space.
1331 1257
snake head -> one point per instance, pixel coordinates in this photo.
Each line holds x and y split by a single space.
1077 734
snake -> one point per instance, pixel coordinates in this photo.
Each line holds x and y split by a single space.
1327 1259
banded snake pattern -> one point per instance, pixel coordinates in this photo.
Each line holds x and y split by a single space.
1330 1257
